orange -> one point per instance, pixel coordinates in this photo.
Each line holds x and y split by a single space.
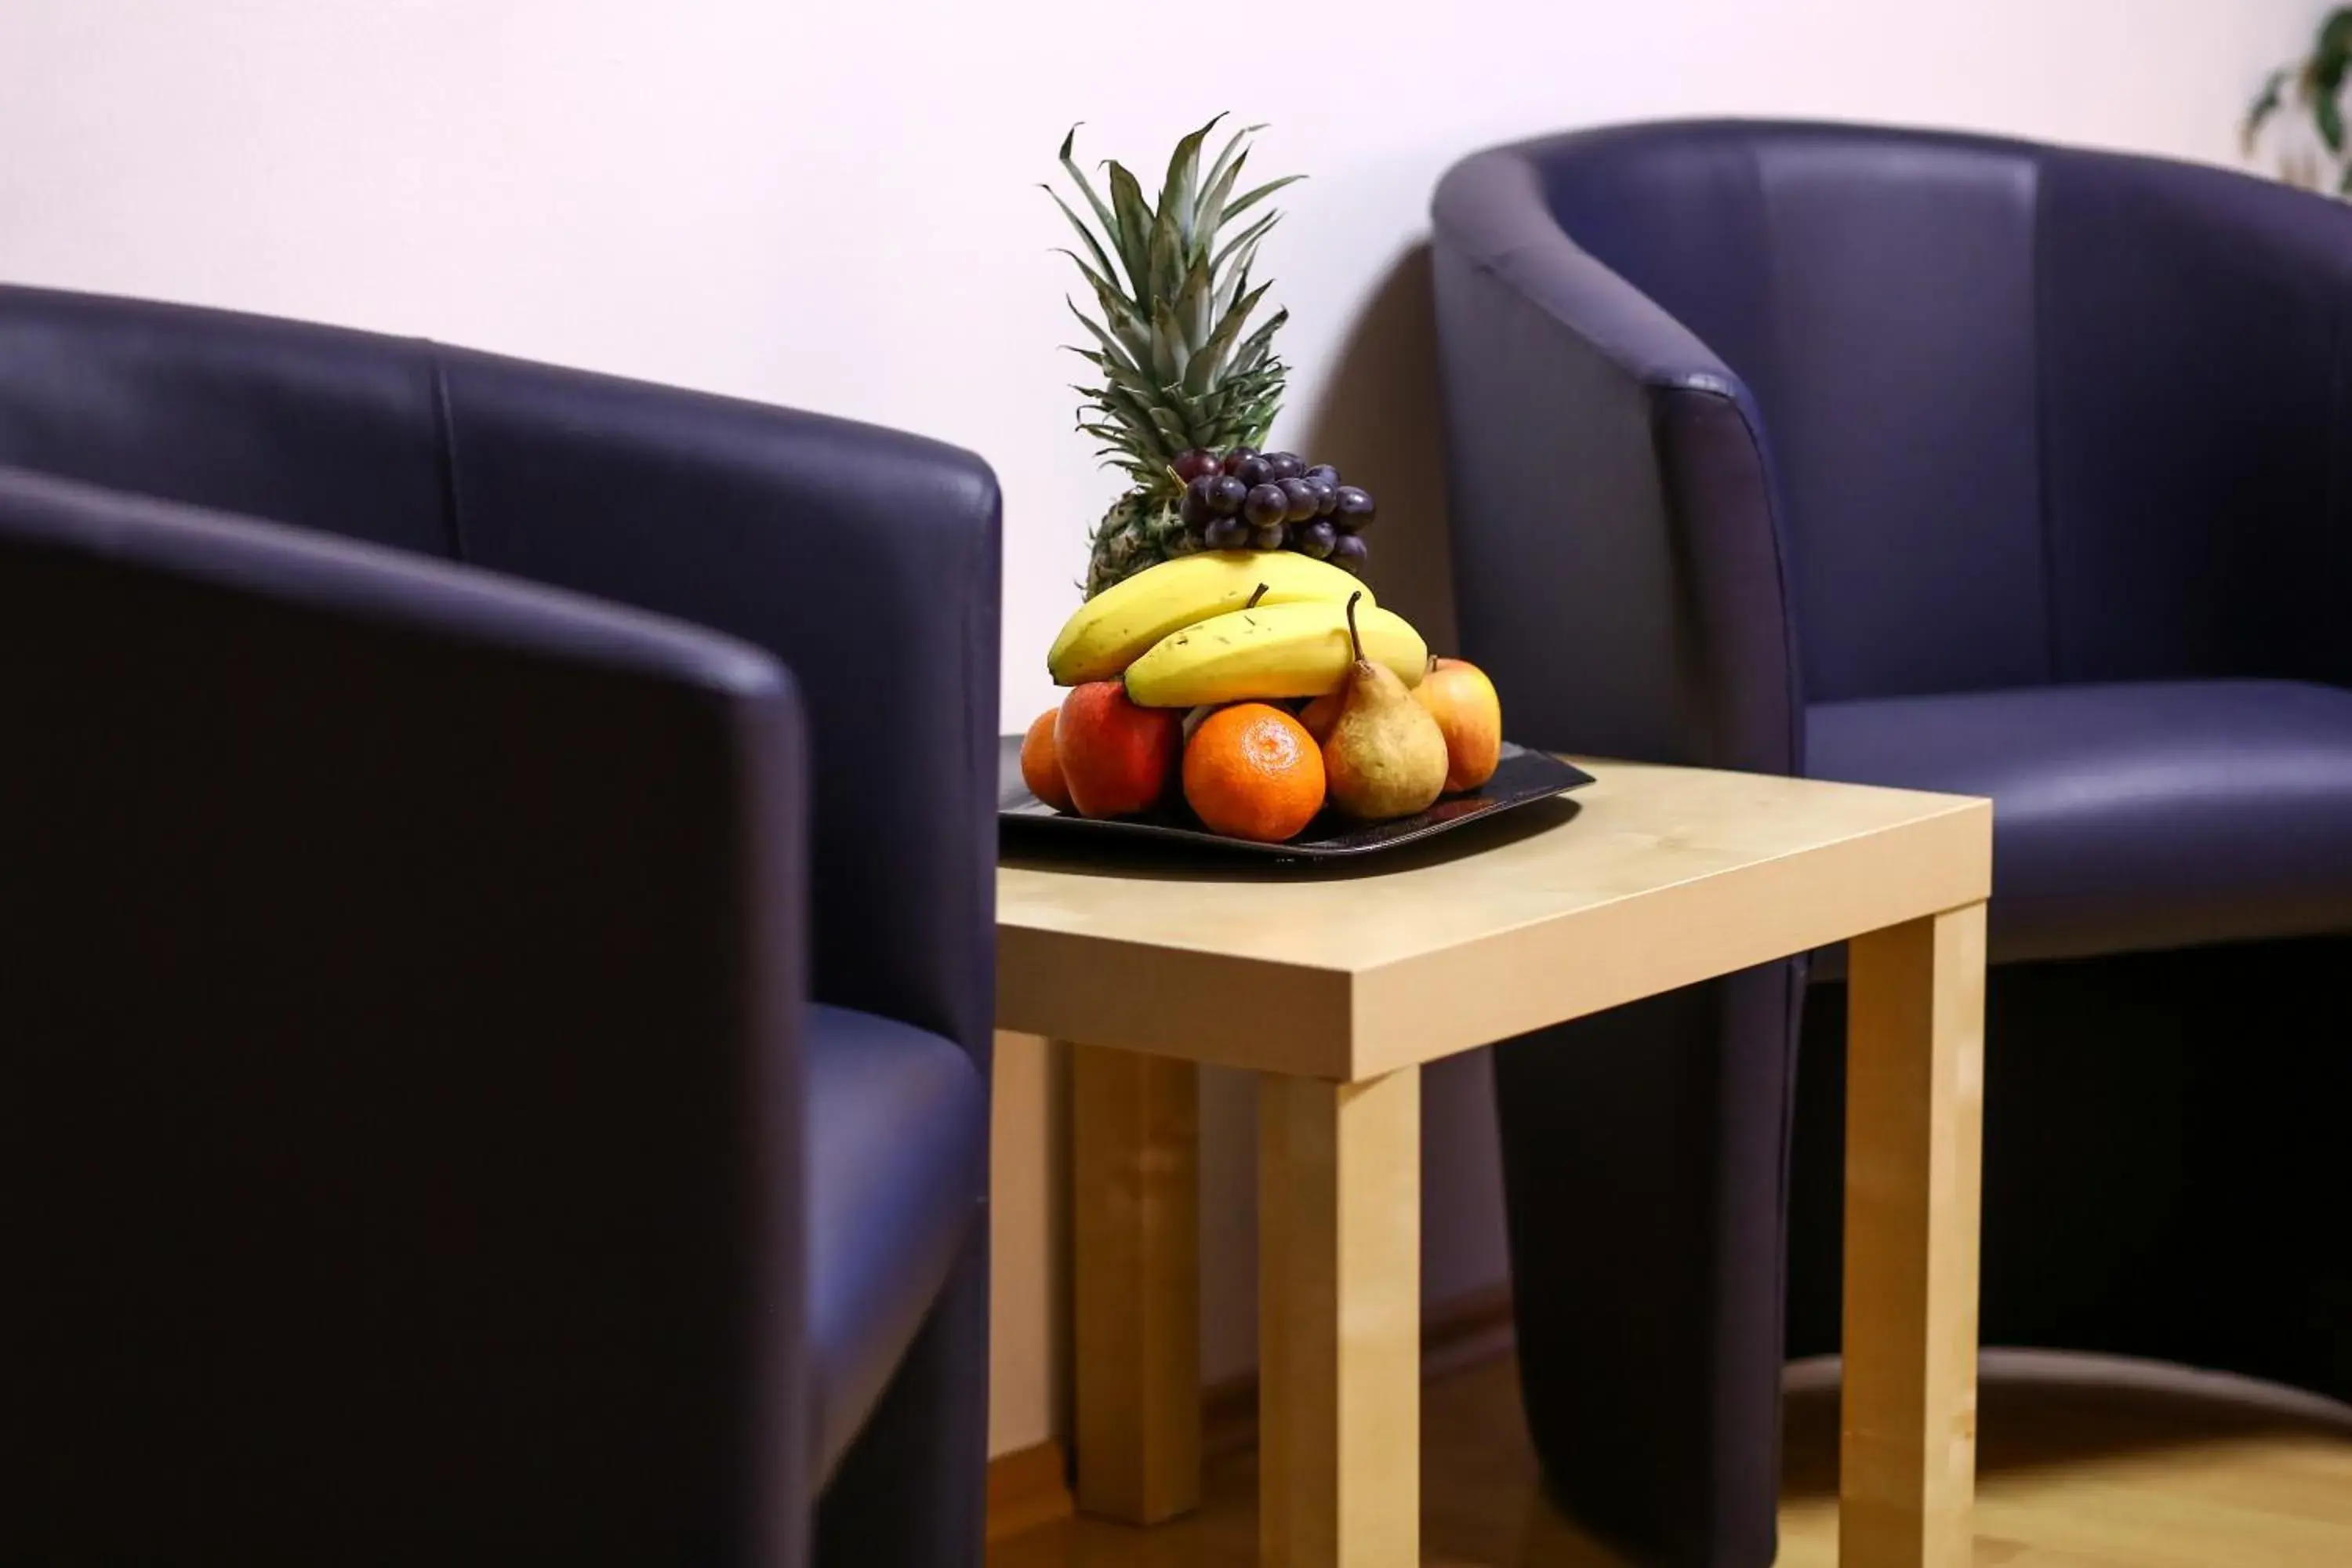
1041 762
1115 757
1254 772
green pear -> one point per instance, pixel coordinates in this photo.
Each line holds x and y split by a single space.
1385 756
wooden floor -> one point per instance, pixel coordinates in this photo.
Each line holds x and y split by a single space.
2076 1473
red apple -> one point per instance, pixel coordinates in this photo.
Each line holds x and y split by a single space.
1117 758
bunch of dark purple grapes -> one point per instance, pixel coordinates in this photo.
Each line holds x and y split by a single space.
1245 499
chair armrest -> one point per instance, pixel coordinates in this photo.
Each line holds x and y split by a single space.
1597 448
406 981
867 559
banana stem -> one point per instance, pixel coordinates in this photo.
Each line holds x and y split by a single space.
1254 598
1354 641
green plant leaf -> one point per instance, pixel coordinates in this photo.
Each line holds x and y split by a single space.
1242 202
1261 343
1242 265
1195 303
1134 230
1167 256
1094 280
1077 176
1111 345
2266 103
1218 184
1236 148
2335 40
1211 362
1167 347
1094 245
2327 114
1177 191
1250 235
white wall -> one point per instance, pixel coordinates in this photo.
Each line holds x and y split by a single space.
833 206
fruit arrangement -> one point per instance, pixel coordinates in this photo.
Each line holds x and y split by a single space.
1226 652
1271 500
1260 687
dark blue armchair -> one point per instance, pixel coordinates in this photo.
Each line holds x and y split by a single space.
1960 464
487 1074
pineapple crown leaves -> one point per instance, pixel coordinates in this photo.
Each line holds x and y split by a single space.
1172 288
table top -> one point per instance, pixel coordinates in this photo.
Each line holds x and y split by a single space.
1650 878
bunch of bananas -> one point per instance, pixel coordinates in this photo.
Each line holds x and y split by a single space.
1227 626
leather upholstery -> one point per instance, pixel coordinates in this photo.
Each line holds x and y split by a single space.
2150 815
278 420
1914 459
400 1145
897 1132
1829 273
866 561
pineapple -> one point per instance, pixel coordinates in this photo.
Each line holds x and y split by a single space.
1172 290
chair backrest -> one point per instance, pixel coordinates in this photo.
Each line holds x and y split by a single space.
400 980
2020 400
337 431
867 559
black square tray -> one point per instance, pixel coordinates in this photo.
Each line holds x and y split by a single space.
1523 777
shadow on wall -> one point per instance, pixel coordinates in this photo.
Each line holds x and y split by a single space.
1380 422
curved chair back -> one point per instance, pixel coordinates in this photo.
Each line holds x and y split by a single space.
864 559
2015 409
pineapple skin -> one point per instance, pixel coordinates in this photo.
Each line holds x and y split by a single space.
1139 531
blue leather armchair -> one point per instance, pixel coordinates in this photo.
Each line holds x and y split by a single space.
487 1073
1960 464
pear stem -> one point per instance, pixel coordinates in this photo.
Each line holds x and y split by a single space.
1254 598
1354 641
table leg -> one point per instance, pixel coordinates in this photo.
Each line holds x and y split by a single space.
1339 1323
1915 1111
1135 1201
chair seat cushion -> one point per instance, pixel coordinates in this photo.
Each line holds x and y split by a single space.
897 1134
2129 816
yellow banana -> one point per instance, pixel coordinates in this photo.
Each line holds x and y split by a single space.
1110 630
1279 650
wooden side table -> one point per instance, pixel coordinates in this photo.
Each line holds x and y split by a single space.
1334 987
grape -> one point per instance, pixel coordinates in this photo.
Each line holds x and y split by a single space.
1327 494
1192 464
1315 539
1355 511
1237 456
1199 504
1254 472
1285 465
1227 494
1349 551
1227 533
1301 497
1324 471
1266 506
1268 537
